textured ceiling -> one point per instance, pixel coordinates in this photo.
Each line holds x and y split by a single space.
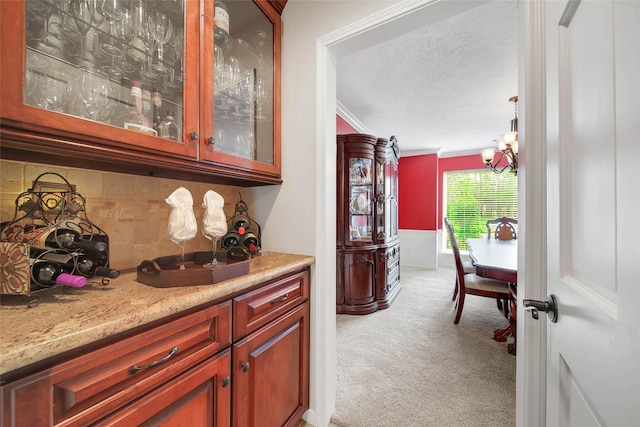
442 87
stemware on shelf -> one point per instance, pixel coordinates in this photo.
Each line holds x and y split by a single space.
47 39
33 89
93 90
214 222
83 16
110 10
123 27
177 42
56 87
219 70
161 30
139 33
260 38
67 25
261 97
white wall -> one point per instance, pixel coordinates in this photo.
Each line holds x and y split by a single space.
419 248
299 216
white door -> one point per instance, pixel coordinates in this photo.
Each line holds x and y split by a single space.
593 212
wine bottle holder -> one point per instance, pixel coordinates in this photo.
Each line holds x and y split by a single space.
243 231
44 210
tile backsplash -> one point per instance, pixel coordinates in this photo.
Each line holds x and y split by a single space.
131 209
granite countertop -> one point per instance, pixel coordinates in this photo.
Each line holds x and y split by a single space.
66 320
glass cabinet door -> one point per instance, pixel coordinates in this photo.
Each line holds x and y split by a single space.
115 62
244 81
360 199
391 200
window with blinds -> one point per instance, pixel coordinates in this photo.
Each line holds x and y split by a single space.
473 197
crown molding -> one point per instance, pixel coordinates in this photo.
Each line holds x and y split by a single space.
346 115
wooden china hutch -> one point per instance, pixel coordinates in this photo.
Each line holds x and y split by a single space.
368 245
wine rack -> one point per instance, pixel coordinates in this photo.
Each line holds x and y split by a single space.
243 231
34 234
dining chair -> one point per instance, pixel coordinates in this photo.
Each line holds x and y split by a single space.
472 284
504 228
467 266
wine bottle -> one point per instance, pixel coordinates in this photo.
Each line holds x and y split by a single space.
221 25
75 263
241 226
66 238
230 240
156 97
250 241
168 127
49 273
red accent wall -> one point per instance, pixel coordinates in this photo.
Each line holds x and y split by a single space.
421 188
342 127
418 192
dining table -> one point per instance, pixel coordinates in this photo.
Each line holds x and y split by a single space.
498 259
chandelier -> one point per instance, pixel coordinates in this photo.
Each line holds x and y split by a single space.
508 146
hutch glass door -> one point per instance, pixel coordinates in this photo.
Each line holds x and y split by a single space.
391 200
243 81
360 199
117 62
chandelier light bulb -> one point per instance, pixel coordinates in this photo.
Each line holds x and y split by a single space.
509 138
488 154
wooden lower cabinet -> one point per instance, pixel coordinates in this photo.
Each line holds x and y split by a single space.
368 278
269 373
355 291
190 371
270 366
199 397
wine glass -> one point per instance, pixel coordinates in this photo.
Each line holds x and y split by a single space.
93 89
57 91
261 97
214 240
178 46
181 239
123 27
161 30
139 33
67 26
233 70
219 67
259 39
83 15
215 222
110 10
182 222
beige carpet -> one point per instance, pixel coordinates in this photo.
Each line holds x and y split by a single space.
409 365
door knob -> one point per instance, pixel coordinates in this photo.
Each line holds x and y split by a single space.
550 306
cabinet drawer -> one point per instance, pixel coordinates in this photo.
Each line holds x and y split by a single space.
257 308
85 388
199 397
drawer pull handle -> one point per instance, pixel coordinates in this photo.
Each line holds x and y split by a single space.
283 299
226 381
136 368
245 367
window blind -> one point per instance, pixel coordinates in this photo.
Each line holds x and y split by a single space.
473 198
